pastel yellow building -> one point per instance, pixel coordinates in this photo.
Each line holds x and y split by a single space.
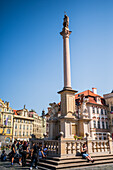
6 121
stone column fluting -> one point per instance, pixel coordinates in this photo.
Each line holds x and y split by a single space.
66 53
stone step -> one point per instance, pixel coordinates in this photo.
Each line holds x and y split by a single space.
77 157
75 164
54 162
85 164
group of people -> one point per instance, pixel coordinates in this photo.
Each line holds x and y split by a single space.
22 150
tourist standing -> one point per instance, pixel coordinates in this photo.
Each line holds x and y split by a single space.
13 151
24 147
35 156
19 148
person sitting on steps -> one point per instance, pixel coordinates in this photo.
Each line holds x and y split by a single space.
84 153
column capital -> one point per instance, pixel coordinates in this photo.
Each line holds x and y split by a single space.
65 33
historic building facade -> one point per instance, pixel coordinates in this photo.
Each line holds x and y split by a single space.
109 101
6 121
90 103
39 126
23 124
28 124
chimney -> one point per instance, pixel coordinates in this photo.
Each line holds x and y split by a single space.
94 90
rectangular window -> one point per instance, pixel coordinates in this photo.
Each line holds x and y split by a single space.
23 133
20 126
27 127
24 127
97 110
27 133
15 126
93 110
4 116
94 124
31 127
106 125
15 133
98 124
73 129
105 112
9 117
9 123
103 125
20 133
101 111
8 131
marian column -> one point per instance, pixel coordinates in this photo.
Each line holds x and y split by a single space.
67 119
65 33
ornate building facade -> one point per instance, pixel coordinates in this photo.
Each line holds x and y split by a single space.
91 104
91 114
28 124
23 124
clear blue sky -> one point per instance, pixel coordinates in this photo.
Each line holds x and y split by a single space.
31 53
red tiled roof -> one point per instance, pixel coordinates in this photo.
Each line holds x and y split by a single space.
91 97
87 93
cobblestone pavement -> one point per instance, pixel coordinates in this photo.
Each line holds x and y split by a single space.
96 167
7 166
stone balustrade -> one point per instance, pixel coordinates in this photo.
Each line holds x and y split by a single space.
52 146
71 147
100 146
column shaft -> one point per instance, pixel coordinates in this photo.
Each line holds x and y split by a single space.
66 51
